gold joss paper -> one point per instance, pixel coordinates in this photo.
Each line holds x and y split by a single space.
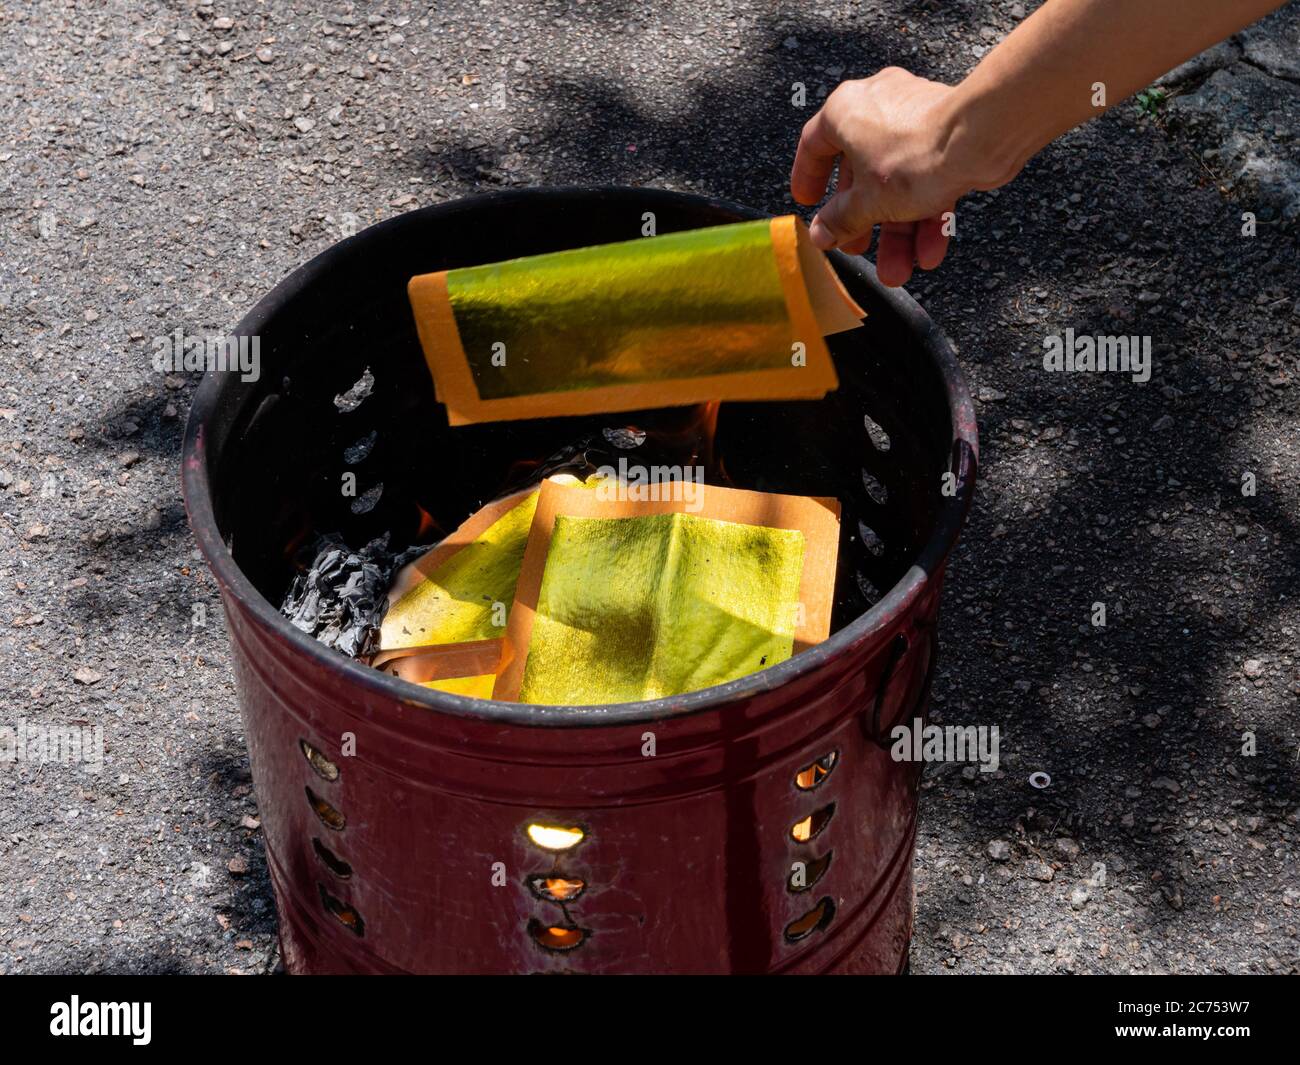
730 312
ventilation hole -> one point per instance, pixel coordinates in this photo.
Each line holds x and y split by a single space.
360 451
325 769
556 888
871 539
556 837
813 921
813 825
896 681
329 816
868 589
811 775
368 500
803 875
331 861
879 438
556 936
350 400
876 490
347 916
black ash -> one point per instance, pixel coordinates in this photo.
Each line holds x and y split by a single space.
339 597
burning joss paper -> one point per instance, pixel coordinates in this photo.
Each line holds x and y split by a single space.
734 312
460 591
622 600
478 687
447 610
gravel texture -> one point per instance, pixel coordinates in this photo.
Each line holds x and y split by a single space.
164 164
1239 102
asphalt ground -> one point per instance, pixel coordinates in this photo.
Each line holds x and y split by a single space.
163 164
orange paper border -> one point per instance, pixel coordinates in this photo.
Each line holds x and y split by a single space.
444 661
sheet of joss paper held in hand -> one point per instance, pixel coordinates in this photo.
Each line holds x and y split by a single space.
733 312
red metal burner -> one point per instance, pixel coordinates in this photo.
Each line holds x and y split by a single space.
760 826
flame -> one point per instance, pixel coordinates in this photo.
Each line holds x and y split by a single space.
557 936
560 889
812 775
295 543
809 778
707 428
708 418
427 524
693 435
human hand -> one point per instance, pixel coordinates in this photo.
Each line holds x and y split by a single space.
906 155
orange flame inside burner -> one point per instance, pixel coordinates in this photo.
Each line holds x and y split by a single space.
295 542
427 524
695 435
562 889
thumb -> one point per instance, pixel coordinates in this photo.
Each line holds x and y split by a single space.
846 216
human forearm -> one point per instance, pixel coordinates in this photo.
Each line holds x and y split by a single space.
1067 62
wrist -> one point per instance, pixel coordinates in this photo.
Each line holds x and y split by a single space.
982 145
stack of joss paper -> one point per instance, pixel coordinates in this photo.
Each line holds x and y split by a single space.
602 592
599 592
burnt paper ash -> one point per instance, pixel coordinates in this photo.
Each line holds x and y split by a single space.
340 597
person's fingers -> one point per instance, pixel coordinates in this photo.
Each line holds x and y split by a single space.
858 245
931 243
845 217
844 182
895 253
844 179
813 161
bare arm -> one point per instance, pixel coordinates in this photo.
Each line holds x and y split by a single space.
908 148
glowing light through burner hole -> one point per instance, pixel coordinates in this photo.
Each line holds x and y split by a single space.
555 837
